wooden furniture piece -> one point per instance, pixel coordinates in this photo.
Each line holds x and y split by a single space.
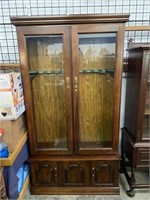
12 156
72 68
8 162
3 194
135 146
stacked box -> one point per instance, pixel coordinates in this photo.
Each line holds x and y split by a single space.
13 131
11 96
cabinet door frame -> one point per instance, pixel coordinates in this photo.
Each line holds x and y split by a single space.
69 168
99 28
47 166
22 32
142 96
104 169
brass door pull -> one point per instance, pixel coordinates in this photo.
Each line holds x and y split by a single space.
67 82
76 83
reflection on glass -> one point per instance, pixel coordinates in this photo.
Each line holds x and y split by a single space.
96 89
97 51
146 130
46 53
47 81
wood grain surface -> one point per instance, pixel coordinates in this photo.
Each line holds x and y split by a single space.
147 104
95 107
49 106
48 90
96 90
96 102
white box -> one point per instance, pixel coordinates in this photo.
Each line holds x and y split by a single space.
11 96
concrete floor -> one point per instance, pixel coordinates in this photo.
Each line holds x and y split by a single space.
139 194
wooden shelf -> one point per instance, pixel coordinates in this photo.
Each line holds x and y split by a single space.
24 189
137 28
12 156
147 112
9 66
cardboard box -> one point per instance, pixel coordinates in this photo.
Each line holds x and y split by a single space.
11 96
13 131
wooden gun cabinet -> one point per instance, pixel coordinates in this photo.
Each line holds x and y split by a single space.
72 70
135 144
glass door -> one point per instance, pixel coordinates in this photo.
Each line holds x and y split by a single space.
146 130
49 75
95 89
96 83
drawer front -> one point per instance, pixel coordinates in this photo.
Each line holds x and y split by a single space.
44 173
143 157
104 173
74 173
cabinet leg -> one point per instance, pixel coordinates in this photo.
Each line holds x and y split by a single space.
131 192
121 170
122 162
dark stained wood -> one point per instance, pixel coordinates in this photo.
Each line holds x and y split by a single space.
75 63
117 86
86 109
147 108
27 89
44 174
90 157
143 93
137 74
70 19
132 91
73 116
47 130
143 157
104 173
135 134
74 190
74 174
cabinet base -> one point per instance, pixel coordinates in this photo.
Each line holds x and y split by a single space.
131 150
74 190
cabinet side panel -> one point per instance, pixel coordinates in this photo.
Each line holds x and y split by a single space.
132 91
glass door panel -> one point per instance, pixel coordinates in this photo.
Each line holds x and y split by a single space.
97 51
45 52
96 89
47 77
146 130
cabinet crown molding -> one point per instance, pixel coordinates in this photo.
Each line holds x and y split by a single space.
69 19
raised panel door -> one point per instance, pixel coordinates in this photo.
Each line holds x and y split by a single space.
104 173
44 173
74 173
